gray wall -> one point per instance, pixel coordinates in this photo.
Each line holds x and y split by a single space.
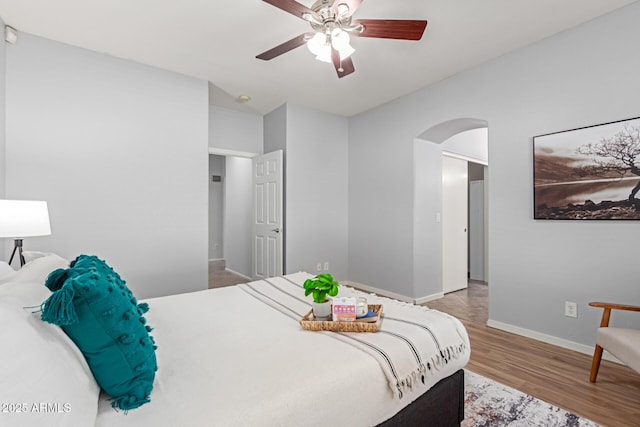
471 144
119 150
3 158
317 191
275 130
381 198
427 223
580 77
316 194
238 215
216 207
235 130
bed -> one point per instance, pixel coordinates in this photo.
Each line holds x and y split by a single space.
237 356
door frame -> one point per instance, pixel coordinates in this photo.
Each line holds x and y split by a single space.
230 153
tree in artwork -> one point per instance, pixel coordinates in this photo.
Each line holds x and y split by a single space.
617 155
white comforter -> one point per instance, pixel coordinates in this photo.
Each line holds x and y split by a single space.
236 356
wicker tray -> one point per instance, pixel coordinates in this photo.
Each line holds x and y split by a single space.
309 323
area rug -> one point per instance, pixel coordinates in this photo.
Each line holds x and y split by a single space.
488 403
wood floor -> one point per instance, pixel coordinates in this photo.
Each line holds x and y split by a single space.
553 374
220 277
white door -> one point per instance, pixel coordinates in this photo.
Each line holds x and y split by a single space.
267 230
454 224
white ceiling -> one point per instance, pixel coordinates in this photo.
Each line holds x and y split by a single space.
218 40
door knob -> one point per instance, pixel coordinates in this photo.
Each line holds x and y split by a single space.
276 230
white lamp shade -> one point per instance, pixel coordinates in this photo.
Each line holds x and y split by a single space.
24 218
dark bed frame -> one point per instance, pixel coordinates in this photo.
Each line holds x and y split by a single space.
442 406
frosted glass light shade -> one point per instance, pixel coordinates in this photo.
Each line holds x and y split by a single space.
320 47
322 43
316 43
325 54
24 218
339 38
346 51
340 41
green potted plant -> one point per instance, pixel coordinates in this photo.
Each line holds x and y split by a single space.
321 286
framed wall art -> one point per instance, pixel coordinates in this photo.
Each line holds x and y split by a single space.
588 173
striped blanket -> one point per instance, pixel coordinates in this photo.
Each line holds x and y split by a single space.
412 345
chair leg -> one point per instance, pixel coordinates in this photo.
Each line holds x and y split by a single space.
595 365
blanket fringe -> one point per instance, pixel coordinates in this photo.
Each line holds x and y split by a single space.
437 361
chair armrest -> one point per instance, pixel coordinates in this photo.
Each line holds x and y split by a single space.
606 315
615 306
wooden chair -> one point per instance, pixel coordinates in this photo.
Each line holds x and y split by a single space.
622 343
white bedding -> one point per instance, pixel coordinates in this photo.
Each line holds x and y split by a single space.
228 357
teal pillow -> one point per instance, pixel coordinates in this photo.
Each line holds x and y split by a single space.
99 313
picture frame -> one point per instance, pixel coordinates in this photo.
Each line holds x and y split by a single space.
588 173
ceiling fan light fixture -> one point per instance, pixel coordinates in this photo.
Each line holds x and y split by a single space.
316 43
320 47
339 37
325 54
332 24
345 52
340 41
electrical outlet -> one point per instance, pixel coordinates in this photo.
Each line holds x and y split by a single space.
570 309
319 266
326 266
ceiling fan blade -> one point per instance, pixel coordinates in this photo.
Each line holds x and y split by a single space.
390 29
344 67
285 47
352 5
293 7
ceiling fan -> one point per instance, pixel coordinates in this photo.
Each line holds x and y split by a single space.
332 24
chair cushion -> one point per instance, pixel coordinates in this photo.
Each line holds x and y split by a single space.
622 343
99 313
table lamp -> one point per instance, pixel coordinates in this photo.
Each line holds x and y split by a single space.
23 218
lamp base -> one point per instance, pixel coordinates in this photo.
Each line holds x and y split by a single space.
17 246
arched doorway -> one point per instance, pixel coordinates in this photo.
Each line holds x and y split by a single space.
461 139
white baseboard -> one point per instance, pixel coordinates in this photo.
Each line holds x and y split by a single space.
377 291
550 339
428 298
389 294
238 274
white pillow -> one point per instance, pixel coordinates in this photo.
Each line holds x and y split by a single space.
6 271
35 271
44 379
31 255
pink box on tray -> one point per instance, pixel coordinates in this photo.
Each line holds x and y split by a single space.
344 309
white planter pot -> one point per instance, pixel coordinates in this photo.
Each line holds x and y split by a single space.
322 311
